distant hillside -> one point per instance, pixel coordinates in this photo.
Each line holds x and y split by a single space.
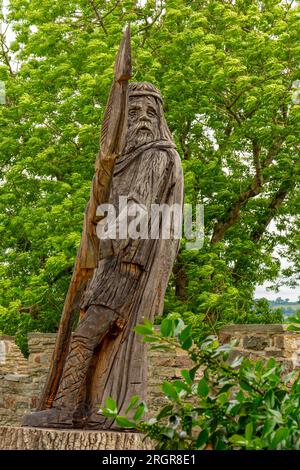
288 308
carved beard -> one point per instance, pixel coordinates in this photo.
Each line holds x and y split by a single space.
140 133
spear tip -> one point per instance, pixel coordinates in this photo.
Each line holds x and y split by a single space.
123 59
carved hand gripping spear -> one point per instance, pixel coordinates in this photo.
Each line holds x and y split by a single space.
113 133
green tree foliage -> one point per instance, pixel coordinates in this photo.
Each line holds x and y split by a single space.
217 404
226 70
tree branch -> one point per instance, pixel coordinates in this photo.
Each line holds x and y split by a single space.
275 203
185 146
111 9
256 235
180 279
255 187
4 53
98 16
156 17
257 164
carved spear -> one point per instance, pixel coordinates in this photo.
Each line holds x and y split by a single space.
113 133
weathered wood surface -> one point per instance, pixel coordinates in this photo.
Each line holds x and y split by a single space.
17 438
112 139
106 357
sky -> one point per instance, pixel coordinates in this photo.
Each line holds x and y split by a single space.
284 293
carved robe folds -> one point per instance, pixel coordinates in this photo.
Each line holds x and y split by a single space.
132 280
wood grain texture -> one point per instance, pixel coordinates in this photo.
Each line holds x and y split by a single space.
17 438
128 281
112 140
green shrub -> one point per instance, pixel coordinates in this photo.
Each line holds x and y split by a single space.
218 404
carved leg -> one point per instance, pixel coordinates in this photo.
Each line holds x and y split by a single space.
92 328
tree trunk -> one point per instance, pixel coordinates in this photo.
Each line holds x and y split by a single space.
180 279
13 438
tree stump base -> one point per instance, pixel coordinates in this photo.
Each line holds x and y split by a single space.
25 438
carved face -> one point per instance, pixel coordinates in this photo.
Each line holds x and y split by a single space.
143 121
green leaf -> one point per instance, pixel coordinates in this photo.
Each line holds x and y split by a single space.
125 423
170 391
293 328
186 375
270 399
107 413
166 327
202 438
179 385
268 373
236 362
164 347
220 445
141 409
165 411
168 432
249 431
268 427
277 416
111 404
202 388
186 344
132 403
148 323
185 333
143 330
280 435
238 440
244 385
150 339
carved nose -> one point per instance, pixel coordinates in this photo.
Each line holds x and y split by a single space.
144 117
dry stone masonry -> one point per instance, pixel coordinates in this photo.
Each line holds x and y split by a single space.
21 379
258 341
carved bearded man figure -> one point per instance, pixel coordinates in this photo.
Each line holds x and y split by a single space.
106 357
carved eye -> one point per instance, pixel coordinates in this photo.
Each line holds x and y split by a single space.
132 113
151 113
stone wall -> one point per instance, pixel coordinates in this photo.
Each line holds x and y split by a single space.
257 341
163 365
21 380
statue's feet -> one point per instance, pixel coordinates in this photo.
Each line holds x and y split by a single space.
52 418
95 420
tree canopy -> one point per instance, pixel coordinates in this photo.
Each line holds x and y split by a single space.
227 70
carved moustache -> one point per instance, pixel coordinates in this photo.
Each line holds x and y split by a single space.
142 126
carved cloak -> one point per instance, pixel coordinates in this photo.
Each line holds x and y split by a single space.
133 280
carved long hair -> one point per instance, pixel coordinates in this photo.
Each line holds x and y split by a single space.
147 89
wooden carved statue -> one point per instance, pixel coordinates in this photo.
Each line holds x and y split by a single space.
116 282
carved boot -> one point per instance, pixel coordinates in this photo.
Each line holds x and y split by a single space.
68 409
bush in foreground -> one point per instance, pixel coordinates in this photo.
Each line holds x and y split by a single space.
217 404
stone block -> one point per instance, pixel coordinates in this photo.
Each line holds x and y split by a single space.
224 337
256 343
184 361
258 328
279 341
17 378
274 353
